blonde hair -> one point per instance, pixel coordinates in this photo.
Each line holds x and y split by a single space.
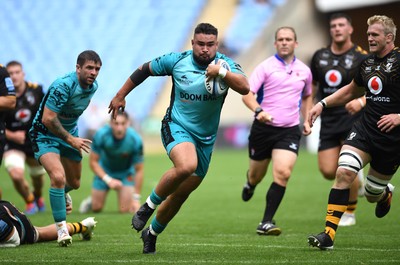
386 22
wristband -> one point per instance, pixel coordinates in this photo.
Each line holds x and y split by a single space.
222 72
361 102
107 179
323 103
136 197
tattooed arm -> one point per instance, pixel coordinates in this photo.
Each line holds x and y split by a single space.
53 124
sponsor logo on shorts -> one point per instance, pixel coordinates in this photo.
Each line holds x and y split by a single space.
351 136
293 146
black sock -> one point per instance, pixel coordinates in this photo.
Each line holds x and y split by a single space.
273 199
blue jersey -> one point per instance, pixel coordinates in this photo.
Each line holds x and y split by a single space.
68 99
118 156
191 106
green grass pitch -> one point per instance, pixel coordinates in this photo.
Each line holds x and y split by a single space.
216 227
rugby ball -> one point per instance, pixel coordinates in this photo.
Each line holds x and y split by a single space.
216 86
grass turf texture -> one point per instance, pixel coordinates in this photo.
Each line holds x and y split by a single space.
216 227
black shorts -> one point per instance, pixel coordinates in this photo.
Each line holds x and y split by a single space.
26 231
385 156
334 130
25 148
264 138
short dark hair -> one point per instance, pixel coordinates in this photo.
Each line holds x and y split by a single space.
88 55
13 63
340 15
206 28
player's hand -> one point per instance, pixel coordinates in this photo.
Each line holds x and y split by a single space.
117 103
18 137
115 184
314 113
212 71
353 106
264 117
306 128
80 144
388 122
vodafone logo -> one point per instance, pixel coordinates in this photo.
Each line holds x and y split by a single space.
375 85
333 78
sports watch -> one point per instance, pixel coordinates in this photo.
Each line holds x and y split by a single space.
257 111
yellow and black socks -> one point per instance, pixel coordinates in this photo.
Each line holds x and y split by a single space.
77 228
337 205
351 207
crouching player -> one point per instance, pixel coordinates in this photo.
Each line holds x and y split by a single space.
16 229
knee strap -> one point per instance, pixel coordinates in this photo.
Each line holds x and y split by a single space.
374 186
350 160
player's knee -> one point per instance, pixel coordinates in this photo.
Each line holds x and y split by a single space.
75 184
282 175
350 160
374 187
124 209
186 170
98 210
17 175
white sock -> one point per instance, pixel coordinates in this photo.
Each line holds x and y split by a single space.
62 228
150 203
152 231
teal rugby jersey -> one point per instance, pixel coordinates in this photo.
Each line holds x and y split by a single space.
68 99
118 155
191 105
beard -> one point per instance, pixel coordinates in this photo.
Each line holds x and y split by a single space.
203 61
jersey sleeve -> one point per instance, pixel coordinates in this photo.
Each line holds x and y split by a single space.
308 87
6 84
358 79
257 78
58 95
313 67
164 64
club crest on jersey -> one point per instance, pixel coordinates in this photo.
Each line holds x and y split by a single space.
388 67
375 85
333 78
23 115
349 61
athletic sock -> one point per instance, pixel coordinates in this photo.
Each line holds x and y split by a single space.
351 207
155 227
62 228
337 205
273 199
57 203
154 200
77 228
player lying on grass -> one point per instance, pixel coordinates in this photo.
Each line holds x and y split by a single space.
16 229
